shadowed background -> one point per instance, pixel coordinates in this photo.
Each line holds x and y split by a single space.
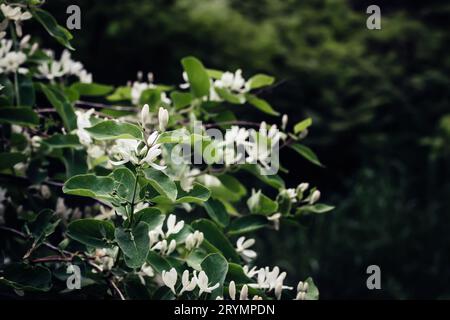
381 119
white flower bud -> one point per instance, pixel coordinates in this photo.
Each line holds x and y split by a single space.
244 293
145 115
232 290
284 121
302 187
314 197
45 192
163 118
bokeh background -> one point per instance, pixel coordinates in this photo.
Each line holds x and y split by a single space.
380 105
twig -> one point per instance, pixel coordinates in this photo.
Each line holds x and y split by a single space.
52 259
114 286
235 122
87 104
46 244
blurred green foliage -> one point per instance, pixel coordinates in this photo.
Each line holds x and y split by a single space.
379 101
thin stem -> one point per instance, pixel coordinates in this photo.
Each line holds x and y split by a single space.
133 199
88 104
16 78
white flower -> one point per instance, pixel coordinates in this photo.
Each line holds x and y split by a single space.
232 290
50 70
275 218
131 150
242 246
188 285
250 272
203 283
173 227
36 141
269 280
146 270
83 122
187 178
137 89
186 84
284 121
15 14
170 279
234 82
291 193
314 197
45 191
11 62
104 258
194 240
53 69
302 288
244 293
172 246
164 247
163 117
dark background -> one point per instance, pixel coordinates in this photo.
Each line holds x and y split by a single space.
380 105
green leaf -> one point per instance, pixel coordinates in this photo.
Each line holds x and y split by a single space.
92 232
120 94
306 153
26 90
229 96
181 99
158 262
261 104
215 74
260 203
217 212
74 161
151 216
7 93
135 289
134 244
59 140
237 274
61 34
197 76
62 105
91 89
89 185
161 182
246 224
302 125
124 181
274 180
229 189
195 258
316 208
260 80
198 194
216 238
312 293
110 129
43 226
23 116
216 268
26 277
9 159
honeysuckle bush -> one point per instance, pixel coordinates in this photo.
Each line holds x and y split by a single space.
136 191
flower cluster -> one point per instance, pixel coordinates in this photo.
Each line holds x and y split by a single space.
164 199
